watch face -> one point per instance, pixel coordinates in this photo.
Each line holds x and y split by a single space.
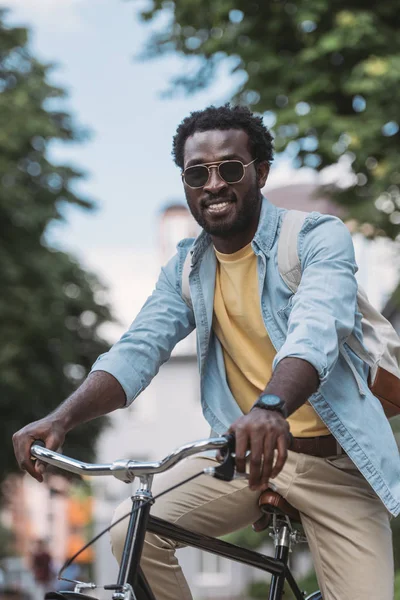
270 400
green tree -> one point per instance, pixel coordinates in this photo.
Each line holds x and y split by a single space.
325 74
50 308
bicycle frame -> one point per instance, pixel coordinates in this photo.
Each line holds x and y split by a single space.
140 521
131 583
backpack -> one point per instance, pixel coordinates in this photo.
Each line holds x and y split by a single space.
381 347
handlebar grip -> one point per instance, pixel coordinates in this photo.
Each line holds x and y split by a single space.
37 443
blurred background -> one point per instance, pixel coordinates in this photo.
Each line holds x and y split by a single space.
91 205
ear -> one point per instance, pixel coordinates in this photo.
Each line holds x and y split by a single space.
262 173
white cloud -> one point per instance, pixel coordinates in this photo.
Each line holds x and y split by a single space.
57 14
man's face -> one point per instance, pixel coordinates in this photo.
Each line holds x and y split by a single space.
223 209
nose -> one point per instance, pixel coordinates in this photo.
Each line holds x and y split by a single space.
215 182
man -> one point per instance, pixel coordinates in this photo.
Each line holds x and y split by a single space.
268 360
42 567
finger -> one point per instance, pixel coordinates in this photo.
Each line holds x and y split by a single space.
242 442
52 442
40 468
35 468
269 446
28 465
23 455
281 446
256 455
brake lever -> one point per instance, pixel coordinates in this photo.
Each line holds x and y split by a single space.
226 470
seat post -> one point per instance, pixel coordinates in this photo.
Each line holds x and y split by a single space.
282 541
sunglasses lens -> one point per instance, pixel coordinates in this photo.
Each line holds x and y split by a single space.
232 171
196 176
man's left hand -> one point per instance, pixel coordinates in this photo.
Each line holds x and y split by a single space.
262 432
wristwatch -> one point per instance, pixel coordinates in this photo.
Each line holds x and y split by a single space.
271 402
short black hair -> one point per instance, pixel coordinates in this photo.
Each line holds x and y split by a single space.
225 117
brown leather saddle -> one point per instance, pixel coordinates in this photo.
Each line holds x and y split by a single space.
271 502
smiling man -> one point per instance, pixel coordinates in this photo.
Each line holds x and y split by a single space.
222 190
272 371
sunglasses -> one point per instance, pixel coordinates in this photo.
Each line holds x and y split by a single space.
231 171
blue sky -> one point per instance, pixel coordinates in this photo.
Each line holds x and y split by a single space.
130 172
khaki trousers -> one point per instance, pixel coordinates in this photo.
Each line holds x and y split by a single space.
346 524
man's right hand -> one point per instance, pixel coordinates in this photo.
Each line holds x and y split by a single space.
49 431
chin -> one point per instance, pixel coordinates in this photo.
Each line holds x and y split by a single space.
218 227
223 230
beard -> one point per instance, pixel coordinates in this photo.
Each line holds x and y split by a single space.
243 219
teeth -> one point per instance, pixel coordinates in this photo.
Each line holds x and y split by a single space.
218 207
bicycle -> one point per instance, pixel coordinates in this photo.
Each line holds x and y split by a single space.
131 582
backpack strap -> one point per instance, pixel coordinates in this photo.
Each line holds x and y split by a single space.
185 280
288 258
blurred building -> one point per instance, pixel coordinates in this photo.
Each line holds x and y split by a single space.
168 414
58 512
175 224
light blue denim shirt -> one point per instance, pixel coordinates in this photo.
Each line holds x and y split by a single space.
313 325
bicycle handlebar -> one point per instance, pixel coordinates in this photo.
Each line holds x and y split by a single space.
127 470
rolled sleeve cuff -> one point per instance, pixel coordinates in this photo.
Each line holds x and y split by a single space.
125 374
307 353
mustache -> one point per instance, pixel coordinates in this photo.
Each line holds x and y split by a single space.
213 198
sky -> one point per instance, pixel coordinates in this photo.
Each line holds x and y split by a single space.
130 173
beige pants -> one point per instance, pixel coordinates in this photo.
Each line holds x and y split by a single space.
346 524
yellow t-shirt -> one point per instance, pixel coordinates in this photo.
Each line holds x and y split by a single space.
248 351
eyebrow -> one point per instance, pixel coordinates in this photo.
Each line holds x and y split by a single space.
200 161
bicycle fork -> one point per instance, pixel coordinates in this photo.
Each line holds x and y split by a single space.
142 500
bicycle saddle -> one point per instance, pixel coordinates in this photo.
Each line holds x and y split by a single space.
271 502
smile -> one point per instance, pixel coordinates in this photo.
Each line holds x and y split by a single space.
218 207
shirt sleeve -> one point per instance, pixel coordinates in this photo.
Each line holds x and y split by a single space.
163 321
323 309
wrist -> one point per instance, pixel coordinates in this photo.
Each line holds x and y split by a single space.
272 403
61 421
